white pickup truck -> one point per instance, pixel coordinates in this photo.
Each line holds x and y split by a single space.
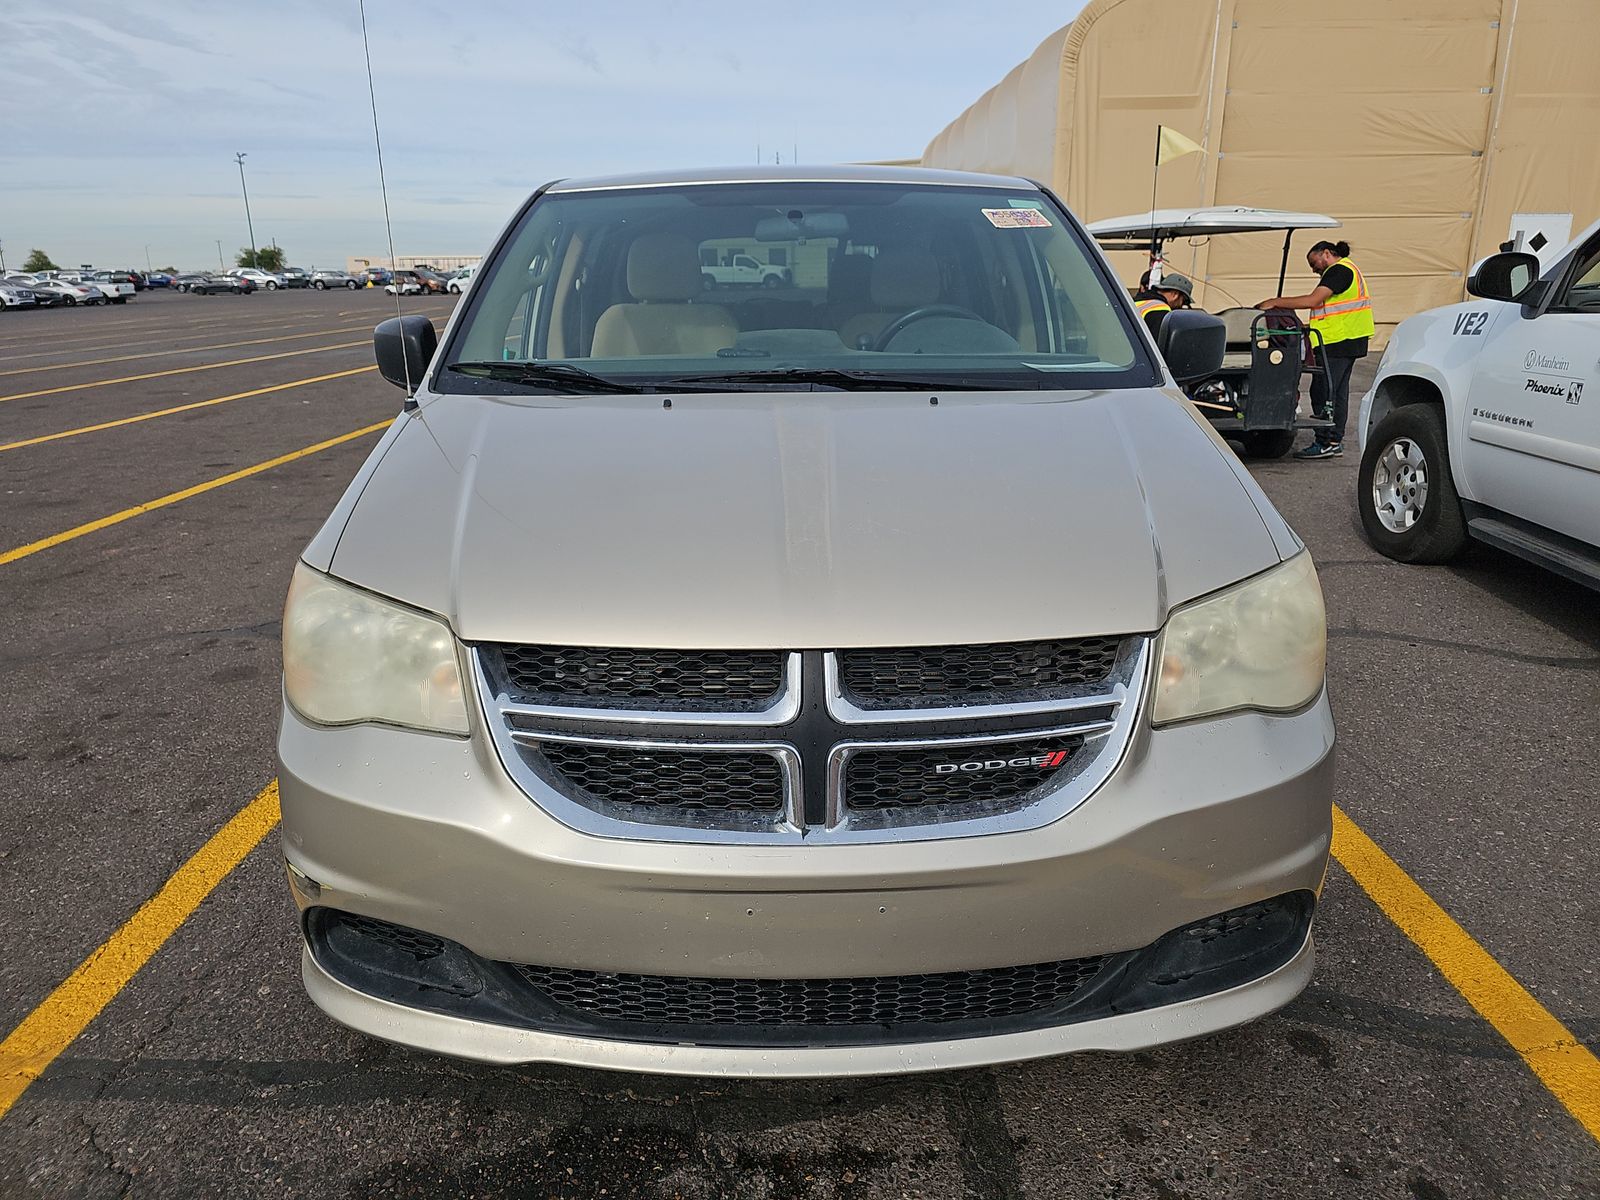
1484 419
744 270
116 286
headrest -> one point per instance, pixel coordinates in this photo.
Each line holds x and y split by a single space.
904 277
663 266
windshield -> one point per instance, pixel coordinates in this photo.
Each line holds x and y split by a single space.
794 286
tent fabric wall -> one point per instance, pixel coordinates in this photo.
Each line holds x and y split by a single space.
1422 126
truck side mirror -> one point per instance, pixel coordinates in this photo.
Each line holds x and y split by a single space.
1505 277
403 347
1193 344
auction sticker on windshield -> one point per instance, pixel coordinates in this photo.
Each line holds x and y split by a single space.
1016 218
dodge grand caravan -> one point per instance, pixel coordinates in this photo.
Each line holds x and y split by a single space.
889 673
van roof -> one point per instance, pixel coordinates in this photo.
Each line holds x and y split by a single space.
841 173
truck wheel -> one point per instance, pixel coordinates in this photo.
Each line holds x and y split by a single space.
772 281
1267 443
1408 501
121 300
707 283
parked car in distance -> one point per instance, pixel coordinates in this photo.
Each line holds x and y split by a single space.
432 282
377 275
270 280
158 279
1477 426
70 293
45 292
459 281
118 285
212 285
183 282
322 280
15 295
654 702
296 277
405 283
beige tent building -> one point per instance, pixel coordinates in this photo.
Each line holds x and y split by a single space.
1430 128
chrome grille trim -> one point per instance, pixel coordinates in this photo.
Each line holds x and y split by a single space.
1106 723
782 710
788 769
843 709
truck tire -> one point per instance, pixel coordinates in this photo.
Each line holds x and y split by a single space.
121 300
1408 501
1267 443
772 281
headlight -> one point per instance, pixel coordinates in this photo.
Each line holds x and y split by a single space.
1262 644
349 656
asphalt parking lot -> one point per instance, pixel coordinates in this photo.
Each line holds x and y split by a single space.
161 465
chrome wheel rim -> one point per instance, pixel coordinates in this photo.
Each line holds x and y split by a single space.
1400 485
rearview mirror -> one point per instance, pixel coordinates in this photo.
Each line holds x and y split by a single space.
1193 344
403 347
1504 276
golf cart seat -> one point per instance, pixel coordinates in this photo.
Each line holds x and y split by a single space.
1237 322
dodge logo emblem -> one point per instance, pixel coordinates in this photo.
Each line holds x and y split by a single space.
1047 762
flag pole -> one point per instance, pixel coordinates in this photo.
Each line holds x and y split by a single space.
1155 243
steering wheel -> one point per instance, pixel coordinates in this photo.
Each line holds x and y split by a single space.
893 328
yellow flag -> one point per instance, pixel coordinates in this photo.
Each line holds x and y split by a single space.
1174 145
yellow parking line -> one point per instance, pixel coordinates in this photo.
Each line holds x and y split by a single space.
66 1012
100 362
1562 1063
237 362
127 514
167 412
66 347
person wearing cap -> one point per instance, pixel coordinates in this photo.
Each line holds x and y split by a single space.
1154 303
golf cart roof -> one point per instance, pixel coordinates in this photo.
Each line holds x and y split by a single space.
1139 230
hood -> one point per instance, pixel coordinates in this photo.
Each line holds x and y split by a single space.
803 520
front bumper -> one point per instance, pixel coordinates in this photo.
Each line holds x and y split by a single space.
430 833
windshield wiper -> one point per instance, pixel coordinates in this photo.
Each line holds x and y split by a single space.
562 377
844 380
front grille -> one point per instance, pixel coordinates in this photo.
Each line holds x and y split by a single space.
397 937
1000 774
885 1000
663 680
952 676
704 781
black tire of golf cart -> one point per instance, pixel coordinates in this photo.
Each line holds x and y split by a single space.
1267 443
1441 530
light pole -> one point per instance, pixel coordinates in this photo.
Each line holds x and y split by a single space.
148 269
221 266
3 258
239 158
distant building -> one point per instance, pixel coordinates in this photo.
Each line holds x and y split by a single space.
439 262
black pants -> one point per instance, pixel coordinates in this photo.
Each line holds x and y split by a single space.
1334 386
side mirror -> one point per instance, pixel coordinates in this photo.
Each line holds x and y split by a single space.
1504 276
404 347
1193 344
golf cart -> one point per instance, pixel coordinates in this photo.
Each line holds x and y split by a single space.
1255 397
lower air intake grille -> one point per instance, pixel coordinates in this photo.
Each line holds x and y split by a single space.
980 777
998 673
664 680
686 780
880 1000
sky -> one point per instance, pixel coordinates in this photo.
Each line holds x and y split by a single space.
121 118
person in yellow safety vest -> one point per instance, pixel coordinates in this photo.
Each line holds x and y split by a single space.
1154 303
1341 310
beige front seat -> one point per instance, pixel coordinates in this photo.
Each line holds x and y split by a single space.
902 278
664 277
